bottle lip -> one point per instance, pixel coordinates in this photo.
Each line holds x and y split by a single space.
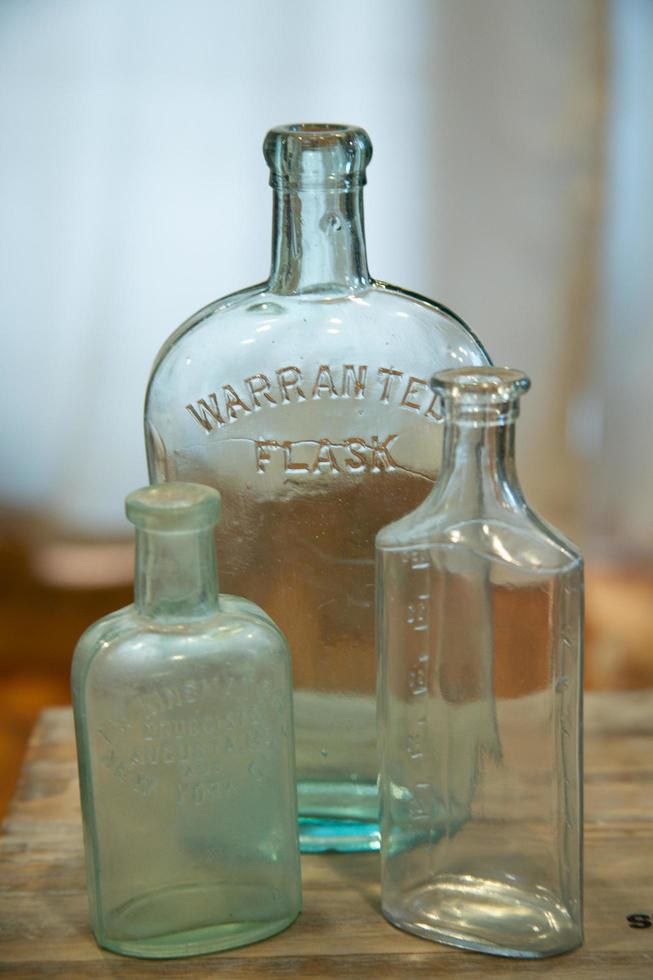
487 385
481 395
317 154
173 507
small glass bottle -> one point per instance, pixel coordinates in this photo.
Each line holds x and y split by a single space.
480 636
305 400
185 748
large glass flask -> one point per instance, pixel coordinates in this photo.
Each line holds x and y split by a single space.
305 401
480 685
183 716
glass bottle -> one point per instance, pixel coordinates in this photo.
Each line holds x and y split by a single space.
480 685
183 717
304 400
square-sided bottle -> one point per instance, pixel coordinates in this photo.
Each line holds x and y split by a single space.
305 400
183 717
480 687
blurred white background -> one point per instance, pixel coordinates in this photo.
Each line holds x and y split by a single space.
512 179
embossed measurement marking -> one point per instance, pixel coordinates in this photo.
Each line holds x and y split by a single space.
417 628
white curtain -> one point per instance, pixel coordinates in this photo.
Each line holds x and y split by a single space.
619 490
133 191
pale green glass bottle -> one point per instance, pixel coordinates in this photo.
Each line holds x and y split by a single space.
183 716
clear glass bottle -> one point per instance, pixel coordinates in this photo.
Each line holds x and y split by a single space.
183 716
480 686
304 400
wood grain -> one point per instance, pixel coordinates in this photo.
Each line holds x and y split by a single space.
43 913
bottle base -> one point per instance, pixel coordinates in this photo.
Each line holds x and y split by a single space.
488 917
196 942
144 927
318 834
338 816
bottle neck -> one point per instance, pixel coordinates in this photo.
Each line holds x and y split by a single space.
478 471
176 576
318 239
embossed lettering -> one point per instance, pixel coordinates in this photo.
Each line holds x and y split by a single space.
263 457
144 784
233 401
419 805
430 413
388 375
288 464
381 458
207 412
324 382
326 458
308 456
191 692
259 384
169 733
347 381
289 378
198 794
353 378
172 697
357 461
412 389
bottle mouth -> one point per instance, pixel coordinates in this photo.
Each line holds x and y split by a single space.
482 395
306 129
173 507
317 154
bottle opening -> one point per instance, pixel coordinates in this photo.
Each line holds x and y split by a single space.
317 154
481 394
173 507
321 128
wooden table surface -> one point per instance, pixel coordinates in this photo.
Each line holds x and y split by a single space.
43 912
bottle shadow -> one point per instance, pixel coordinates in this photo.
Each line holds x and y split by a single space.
357 873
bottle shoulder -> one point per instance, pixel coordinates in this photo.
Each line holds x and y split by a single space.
437 310
254 325
128 640
105 634
510 536
554 537
212 312
239 606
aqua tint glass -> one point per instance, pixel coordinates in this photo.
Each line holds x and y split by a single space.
305 401
183 717
480 685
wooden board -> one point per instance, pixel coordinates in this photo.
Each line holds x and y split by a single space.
43 912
